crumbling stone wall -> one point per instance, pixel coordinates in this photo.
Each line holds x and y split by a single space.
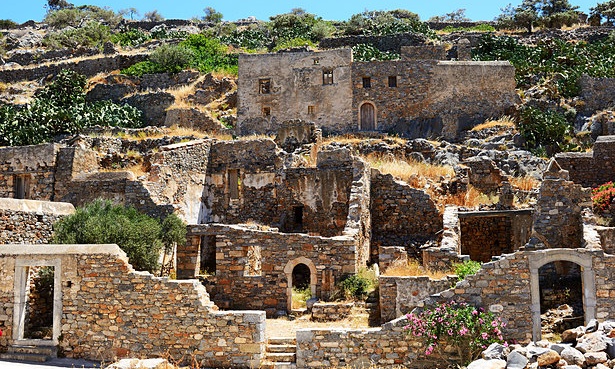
87 67
405 215
284 86
492 233
594 168
484 174
392 43
257 164
35 164
399 295
234 287
30 221
596 93
95 325
331 311
557 215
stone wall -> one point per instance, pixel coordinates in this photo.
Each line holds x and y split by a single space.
484 174
253 266
594 168
331 311
399 295
35 165
403 216
88 67
432 98
597 93
294 85
557 214
106 310
177 177
392 43
30 221
492 233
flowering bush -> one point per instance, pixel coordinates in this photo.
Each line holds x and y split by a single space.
602 197
463 327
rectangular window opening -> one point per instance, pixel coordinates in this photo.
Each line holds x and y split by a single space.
21 184
298 218
266 111
311 109
327 77
264 86
253 265
367 82
208 255
392 81
233 183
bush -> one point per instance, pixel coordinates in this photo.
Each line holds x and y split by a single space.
60 108
295 42
101 222
92 34
544 130
172 58
130 37
74 17
465 328
357 286
8 24
386 23
602 197
365 52
468 267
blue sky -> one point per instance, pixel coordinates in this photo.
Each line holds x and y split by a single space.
22 10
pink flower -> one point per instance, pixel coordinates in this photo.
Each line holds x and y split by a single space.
475 312
463 331
484 335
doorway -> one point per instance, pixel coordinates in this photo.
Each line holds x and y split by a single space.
367 117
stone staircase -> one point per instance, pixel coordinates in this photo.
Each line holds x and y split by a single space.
38 354
281 353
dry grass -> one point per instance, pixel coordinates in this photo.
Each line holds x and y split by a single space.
412 172
412 268
344 139
471 198
182 92
505 122
255 137
283 327
525 183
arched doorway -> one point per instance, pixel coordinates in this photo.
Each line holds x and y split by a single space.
367 117
583 261
300 272
561 297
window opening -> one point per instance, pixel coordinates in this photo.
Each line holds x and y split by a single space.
233 183
253 266
208 255
264 86
392 81
311 109
21 186
367 82
266 111
327 77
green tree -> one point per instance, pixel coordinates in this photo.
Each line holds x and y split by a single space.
548 13
131 12
604 10
53 5
458 15
153 16
140 236
385 23
212 15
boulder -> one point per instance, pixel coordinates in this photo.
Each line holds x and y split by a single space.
573 356
548 358
487 364
592 342
516 360
495 351
593 358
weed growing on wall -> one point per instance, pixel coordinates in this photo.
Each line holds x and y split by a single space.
468 267
458 325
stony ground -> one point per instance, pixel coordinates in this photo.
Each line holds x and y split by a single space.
284 327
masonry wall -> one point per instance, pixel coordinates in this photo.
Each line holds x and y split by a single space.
109 311
597 93
240 285
433 98
296 82
403 215
493 233
35 163
30 221
399 295
594 168
258 165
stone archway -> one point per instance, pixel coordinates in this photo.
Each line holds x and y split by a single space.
367 117
584 260
288 270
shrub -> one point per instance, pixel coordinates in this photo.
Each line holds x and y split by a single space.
357 286
8 24
100 222
172 58
461 326
468 267
602 197
543 129
92 34
60 108
130 37
295 42
74 17
365 52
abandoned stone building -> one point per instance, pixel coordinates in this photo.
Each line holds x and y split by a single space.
420 95
260 223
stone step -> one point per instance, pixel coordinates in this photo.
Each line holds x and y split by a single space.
271 365
289 349
39 358
51 351
281 357
282 341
